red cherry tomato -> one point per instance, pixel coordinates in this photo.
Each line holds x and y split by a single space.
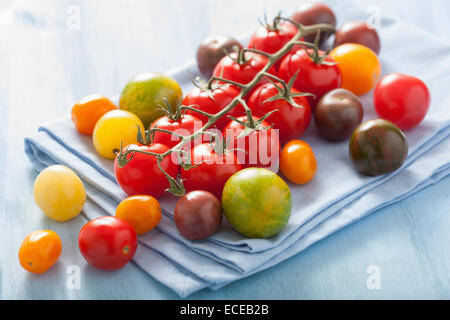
228 68
185 126
314 78
212 102
269 39
260 148
402 99
142 175
107 243
211 170
291 121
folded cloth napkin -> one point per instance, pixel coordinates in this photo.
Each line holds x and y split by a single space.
336 197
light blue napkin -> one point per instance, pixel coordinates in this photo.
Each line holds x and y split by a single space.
336 197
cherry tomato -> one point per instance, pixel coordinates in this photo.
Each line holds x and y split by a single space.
297 162
141 211
107 243
315 13
40 250
359 66
228 68
315 77
260 148
185 126
257 203
211 170
87 111
358 32
291 121
270 38
377 147
59 193
212 50
115 129
212 102
141 175
198 215
146 93
402 99
338 114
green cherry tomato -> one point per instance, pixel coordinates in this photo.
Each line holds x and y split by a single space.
144 95
377 147
256 202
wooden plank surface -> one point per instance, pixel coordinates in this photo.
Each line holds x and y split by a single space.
54 52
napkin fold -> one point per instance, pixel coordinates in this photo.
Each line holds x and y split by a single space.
336 197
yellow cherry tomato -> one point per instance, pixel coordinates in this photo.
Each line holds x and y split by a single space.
297 162
40 250
360 67
113 129
87 111
59 192
141 211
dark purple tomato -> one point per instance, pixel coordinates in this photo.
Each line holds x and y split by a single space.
198 214
315 13
212 50
358 32
338 114
377 147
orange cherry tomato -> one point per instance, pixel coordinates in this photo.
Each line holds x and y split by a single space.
40 250
360 67
87 111
143 212
297 162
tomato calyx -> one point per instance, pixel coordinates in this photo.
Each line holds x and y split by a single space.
285 90
176 187
169 111
275 25
206 87
214 83
220 145
251 125
312 51
240 59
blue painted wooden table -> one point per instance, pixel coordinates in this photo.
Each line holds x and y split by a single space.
54 52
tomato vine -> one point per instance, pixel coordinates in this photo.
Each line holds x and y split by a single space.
176 184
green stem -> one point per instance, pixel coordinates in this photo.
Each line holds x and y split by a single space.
196 110
281 81
151 130
268 55
215 78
